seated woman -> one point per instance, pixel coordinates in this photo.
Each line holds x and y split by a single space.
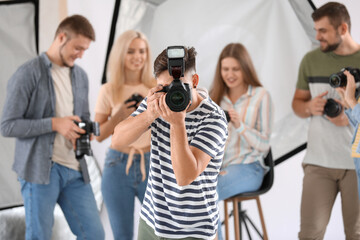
237 89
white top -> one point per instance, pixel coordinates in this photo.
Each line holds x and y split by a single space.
63 152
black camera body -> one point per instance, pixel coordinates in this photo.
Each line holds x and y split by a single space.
339 79
135 97
332 108
178 94
83 142
227 115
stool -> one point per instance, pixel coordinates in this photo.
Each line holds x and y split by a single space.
240 216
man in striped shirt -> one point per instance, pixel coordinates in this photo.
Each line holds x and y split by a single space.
187 148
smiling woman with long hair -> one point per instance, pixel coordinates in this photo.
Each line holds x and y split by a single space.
125 171
237 89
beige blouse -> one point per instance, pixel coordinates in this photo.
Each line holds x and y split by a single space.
105 105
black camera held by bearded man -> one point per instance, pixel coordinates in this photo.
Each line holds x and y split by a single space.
83 142
135 97
178 94
339 79
332 108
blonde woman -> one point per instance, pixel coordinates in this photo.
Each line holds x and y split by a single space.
237 89
126 168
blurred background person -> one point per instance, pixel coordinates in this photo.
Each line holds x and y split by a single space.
44 98
328 167
248 106
347 94
126 168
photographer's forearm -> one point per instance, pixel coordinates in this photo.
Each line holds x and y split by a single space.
301 108
355 113
129 130
188 162
107 127
23 128
182 159
352 103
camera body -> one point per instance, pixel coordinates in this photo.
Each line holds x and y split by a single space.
83 142
333 108
135 97
339 79
178 94
227 115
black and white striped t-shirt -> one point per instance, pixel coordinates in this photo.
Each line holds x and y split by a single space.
175 211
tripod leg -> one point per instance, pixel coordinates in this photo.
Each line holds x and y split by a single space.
246 217
240 220
243 218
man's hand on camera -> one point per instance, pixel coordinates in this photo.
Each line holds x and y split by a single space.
316 105
340 120
153 102
341 92
174 118
350 89
67 128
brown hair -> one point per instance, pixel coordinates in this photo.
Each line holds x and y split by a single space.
239 52
116 63
336 12
161 62
76 24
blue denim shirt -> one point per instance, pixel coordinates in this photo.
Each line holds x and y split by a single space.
29 107
354 119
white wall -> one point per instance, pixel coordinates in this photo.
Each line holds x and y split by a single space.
281 205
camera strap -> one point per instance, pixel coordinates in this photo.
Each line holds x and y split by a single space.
84 170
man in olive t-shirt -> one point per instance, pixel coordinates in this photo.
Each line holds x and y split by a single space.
328 166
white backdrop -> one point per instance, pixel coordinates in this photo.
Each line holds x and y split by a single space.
17 45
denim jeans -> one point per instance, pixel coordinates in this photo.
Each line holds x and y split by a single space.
75 198
119 191
239 178
357 170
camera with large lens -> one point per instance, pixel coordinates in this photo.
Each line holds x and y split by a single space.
135 97
178 94
339 79
83 142
332 108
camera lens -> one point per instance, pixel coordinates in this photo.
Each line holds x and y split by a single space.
177 98
335 80
332 108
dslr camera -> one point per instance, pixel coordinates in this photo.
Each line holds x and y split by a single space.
333 108
178 94
339 79
227 115
135 97
83 142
